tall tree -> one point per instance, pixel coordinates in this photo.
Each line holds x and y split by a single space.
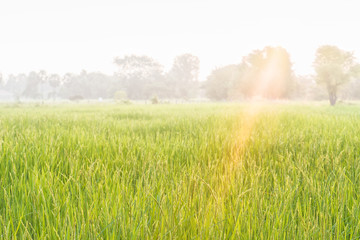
16 84
43 80
268 73
142 76
222 82
264 73
184 76
91 85
33 81
333 68
54 81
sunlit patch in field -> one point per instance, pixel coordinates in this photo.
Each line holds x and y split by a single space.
248 119
270 83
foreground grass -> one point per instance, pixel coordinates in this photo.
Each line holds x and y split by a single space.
180 171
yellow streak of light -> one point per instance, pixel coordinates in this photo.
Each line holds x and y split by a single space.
251 113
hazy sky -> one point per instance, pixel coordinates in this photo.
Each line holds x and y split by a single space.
71 35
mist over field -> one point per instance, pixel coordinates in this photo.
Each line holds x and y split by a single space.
179 119
262 74
178 50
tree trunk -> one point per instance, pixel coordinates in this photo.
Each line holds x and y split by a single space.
332 95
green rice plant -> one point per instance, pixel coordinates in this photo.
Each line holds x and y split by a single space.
207 171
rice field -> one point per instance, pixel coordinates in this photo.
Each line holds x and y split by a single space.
206 171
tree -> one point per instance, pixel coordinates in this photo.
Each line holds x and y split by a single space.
54 81
16 84
263 73
141 76
352 90
306 88
220 84
334 67
267 73
43 80
120 96
99 85
183 76
33 80
91 85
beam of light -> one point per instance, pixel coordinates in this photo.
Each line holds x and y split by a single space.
270 81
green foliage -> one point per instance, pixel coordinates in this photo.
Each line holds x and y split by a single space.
268 73
120 96
306 88
90 85
33 84
221 83
154 100
183 76
263 73
141 76
179 172
334 67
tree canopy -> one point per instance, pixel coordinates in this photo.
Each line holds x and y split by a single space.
333 68
263 73
183 76
141 76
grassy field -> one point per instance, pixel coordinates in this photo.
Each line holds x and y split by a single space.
180 172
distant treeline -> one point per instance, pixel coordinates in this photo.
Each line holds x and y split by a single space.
138 78
265 73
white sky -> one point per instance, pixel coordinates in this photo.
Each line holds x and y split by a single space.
70 35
